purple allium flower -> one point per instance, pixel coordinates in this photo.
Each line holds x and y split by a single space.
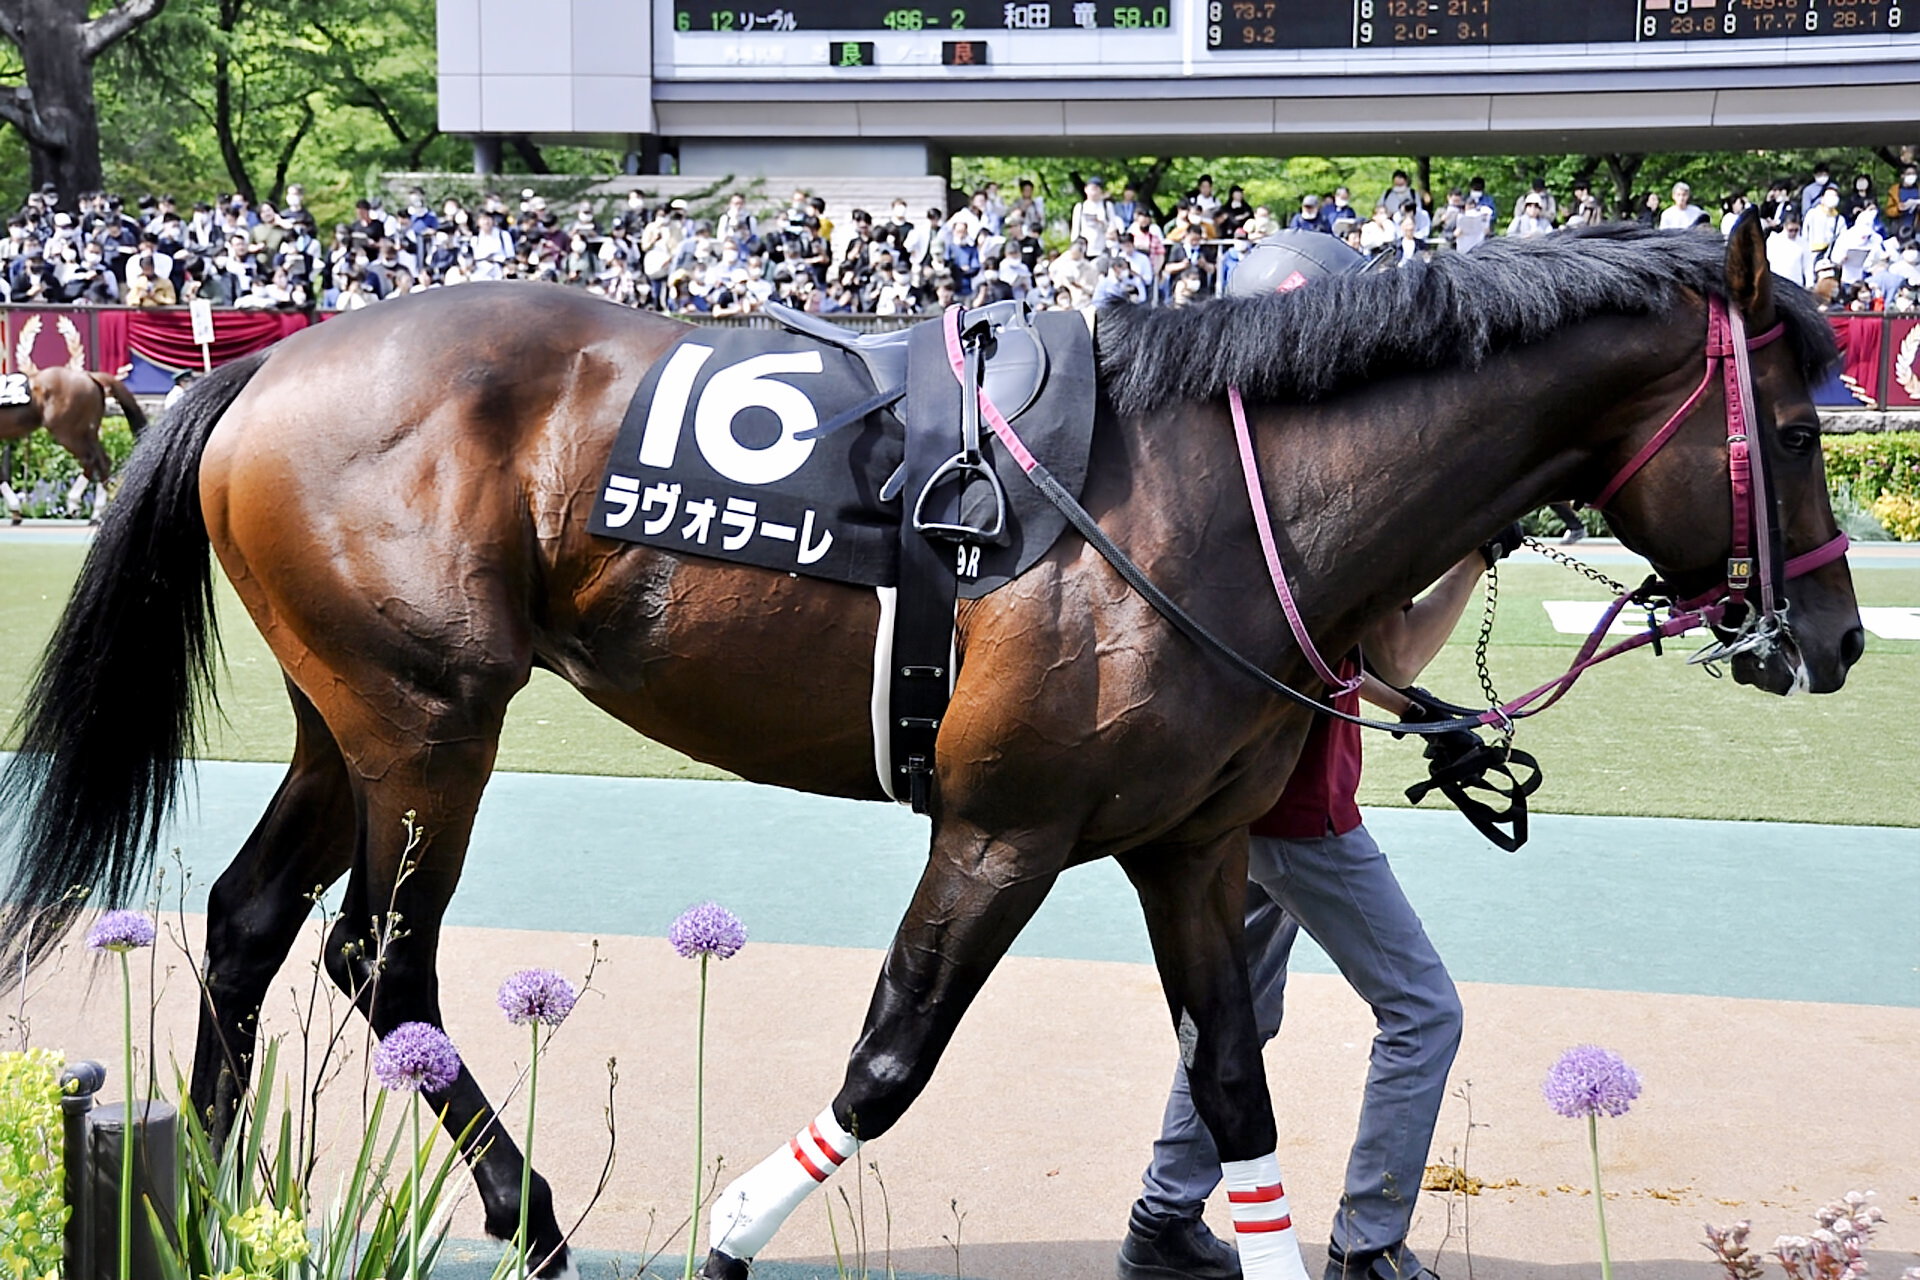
416 1057
121 931
537 995
1591 1081
707 930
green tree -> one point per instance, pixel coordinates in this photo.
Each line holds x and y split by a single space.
325 92
57 44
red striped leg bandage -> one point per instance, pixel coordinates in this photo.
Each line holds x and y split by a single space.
1262 1224
754 1205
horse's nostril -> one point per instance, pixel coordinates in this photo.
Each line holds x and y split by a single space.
1853 645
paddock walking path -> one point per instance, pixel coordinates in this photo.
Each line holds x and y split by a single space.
1764 978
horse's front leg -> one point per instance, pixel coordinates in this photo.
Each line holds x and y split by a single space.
1194 898
977 893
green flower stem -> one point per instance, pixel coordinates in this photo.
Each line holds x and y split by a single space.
413 1197
699 1115
1599 1201
526 1160
126 1136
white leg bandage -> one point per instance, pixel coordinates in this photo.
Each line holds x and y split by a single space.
74 494
754 1205
1262 1223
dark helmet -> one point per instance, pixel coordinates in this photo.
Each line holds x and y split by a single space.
1287 260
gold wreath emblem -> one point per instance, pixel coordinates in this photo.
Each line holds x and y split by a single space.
1903 371
30 333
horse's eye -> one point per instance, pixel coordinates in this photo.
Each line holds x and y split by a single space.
1798 439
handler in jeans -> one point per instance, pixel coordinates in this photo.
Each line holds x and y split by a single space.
1312 865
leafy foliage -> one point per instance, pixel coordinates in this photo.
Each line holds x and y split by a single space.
241 1212
33 1211
323 92
1875 464
43 471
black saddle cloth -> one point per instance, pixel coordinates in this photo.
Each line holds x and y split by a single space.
714 457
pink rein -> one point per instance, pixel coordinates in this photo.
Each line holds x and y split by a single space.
1727 349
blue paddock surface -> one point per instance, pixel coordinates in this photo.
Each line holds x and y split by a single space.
1776 911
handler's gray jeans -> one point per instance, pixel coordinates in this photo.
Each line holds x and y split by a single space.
1341 890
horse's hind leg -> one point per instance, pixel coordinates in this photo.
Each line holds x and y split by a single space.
303 843
418 789
975 896
1194 898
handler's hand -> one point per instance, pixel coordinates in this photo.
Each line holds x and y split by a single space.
1503 544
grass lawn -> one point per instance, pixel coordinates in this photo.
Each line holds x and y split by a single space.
1641 736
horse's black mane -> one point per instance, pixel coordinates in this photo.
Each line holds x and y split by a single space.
1455 310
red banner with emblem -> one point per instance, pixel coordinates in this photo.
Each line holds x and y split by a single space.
48 338
1903 388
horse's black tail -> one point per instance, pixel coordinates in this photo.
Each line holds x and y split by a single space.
110 713
135 415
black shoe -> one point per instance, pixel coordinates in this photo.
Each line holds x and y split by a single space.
1396 1262
1162 1247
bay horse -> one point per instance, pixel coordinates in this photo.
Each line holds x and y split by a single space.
401 499
71 404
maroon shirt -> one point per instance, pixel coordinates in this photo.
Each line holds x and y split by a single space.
1319 799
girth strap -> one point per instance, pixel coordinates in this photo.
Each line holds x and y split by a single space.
921 681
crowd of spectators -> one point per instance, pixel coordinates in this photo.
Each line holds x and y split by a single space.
1843 239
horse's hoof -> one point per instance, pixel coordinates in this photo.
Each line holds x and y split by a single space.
722 1267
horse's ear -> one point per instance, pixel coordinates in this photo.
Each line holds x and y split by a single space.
1749 282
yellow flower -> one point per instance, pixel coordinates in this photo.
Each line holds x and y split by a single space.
1899 514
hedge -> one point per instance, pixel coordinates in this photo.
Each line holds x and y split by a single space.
1881 472
43 471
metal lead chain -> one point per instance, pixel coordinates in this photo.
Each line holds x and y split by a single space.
1584 570
1480 649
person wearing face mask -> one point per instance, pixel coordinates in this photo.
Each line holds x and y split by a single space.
1861 197
1825 223
1906 266
89 281
1778 204
1787 254
1903 203
1859 247
1532 221
1811 194
1399 194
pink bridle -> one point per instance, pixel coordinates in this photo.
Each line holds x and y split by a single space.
1760 628
1727 351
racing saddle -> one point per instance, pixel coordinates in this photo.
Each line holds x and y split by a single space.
1004 356
930 378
